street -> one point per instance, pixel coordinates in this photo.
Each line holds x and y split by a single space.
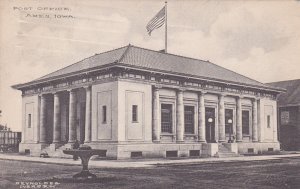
281 173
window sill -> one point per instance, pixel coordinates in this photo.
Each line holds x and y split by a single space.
167 134
190 134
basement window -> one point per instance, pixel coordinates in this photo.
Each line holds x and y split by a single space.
172 153
250 150
136 154
194 153
102 153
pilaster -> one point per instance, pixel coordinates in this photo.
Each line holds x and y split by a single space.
43 117
239 133
72 116
201 117
88 101
156 125
221 118
180 116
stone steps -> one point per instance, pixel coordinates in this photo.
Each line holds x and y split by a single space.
58 152
225 152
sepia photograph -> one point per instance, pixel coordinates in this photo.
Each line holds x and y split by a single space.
201 94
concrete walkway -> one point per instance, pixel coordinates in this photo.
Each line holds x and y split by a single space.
140 162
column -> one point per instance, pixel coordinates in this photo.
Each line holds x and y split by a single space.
156 127
72 116
36 135
239 133
56 119
43 116
179 116
275 125
254 121
88 101
201 118
259 121
221 118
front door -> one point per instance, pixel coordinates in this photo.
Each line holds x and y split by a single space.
229 124
210 124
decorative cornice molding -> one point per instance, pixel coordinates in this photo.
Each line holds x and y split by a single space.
169 82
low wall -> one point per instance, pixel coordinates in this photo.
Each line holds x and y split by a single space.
258 148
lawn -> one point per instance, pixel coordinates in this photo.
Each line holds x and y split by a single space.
281 173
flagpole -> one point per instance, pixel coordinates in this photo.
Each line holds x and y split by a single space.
166 29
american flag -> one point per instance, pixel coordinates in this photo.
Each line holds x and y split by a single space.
157 21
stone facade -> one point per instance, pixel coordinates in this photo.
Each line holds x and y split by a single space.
133 113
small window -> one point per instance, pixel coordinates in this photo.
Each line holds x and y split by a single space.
269 121
29 121
104 114
134 113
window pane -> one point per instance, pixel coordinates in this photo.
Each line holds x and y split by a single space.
166 118
29 121
189 119
104 114
245 122
134 113
269 121
285 117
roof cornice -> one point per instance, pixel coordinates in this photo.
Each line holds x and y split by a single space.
120 64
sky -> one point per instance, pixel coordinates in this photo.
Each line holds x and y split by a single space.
258 39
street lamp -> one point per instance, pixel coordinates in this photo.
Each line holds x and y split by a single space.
230 130
210 120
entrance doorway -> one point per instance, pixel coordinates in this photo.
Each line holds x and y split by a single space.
229 125
210 124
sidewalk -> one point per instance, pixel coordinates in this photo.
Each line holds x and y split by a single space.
135 163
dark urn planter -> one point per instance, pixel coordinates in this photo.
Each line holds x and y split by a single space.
85 153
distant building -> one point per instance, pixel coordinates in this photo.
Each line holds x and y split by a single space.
133 102
289 114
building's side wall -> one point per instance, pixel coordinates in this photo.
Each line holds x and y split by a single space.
268 113
30 136
104 95
129 95
267 129
30 111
